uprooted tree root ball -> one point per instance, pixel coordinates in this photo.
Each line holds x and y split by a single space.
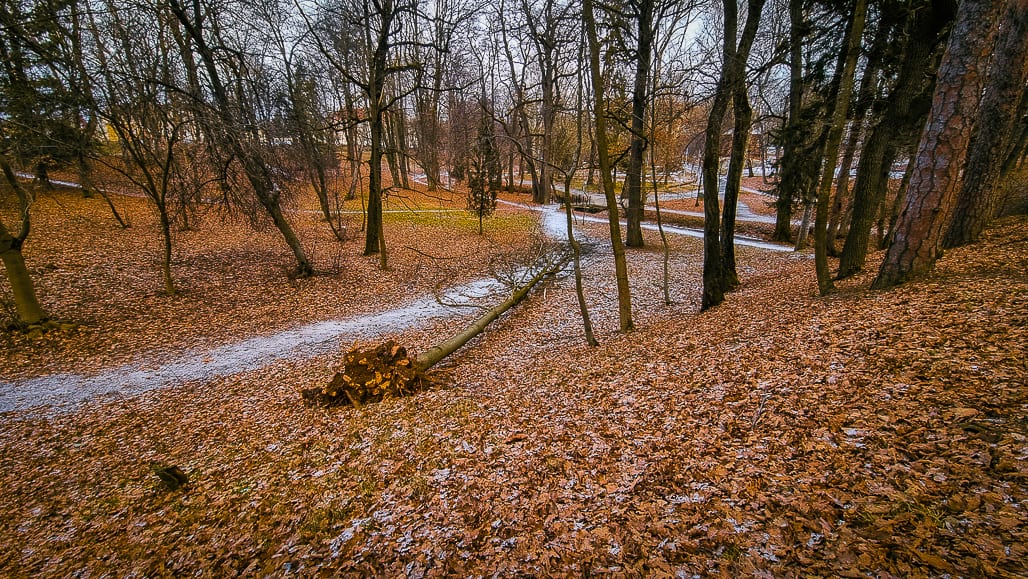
370 375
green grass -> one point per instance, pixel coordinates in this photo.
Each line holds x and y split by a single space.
464 221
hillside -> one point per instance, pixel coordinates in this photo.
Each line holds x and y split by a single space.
781 434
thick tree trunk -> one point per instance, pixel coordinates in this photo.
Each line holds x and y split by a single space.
25 301
599 117
713 264
978 199
740 146
943 147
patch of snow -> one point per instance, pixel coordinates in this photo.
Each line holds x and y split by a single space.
64 392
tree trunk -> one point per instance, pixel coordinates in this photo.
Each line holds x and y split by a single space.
731 81
391 149
374 228
831 154
169 283
576 255
437 353
842 206
599 117
640 99
801 238
740 146
26 303
1019 142
787 188
543 189
666 250
897 204
943 147
840 200
402 158
978 198
713 264
880 148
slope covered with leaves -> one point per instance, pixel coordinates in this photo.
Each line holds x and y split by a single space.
864 434
231 275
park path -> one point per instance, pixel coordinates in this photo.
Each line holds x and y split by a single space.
64 392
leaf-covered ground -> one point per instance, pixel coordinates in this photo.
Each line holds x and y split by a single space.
865 434
232 278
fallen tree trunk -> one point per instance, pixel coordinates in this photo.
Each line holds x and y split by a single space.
388 371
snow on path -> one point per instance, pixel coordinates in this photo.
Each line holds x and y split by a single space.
64 392
554 223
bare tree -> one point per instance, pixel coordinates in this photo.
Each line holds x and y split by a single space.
365 42
734 57
140 95
600 120
230 117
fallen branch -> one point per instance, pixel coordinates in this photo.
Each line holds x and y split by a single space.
388 371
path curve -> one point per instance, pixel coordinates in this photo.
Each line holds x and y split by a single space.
65 392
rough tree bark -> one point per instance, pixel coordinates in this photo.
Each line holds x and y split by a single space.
978 200
879 151
787 188
943 147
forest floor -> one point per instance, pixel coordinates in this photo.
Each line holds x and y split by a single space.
781 434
